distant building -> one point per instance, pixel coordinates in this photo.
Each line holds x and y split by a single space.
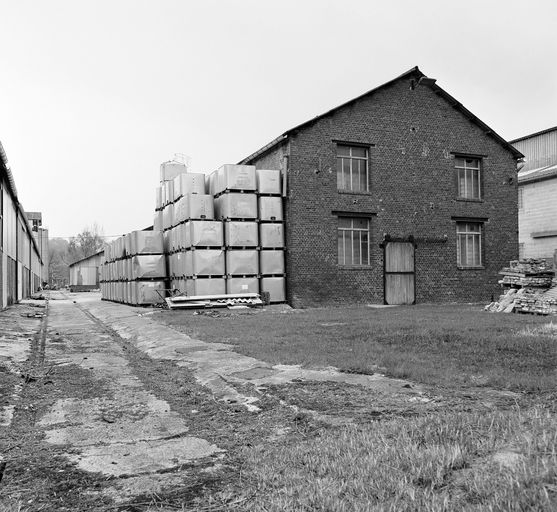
41 236
537 194
85 274
400 195
21 265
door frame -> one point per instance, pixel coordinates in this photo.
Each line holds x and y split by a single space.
386 240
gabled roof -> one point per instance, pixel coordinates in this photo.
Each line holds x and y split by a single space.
420 79
98 253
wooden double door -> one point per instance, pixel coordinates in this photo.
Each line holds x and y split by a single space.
400 272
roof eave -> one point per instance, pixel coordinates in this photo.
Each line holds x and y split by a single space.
542 132
486 129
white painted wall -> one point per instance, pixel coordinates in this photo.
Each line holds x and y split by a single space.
538 213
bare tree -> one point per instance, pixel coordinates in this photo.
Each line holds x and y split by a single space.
90 241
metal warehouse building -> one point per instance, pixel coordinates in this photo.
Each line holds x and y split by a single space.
85 274
22 268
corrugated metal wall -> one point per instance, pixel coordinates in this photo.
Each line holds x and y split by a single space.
540 150
20 263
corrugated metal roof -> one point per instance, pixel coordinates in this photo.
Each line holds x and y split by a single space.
542 132
430 82
539 174
86 258
8 171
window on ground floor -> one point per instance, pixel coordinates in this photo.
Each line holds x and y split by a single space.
353 241
469 244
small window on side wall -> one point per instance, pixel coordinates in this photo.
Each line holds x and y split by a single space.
469 244
352 168
353 241
468 176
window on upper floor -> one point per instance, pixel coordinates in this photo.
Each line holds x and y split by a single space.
468 176
353 241
520 198
469 244
352 168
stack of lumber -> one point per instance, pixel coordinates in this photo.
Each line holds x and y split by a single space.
530 287
530 272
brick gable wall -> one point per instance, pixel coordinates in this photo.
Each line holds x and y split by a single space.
413 136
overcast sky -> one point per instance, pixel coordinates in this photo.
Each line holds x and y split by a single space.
95 94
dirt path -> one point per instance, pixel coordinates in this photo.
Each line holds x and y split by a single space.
103 408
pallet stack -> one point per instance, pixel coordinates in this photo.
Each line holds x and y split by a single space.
193 240
249 203
529 287
134 269
220 235
234 188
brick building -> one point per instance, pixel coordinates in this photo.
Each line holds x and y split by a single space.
400 195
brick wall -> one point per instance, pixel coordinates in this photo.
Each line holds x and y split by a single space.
413 136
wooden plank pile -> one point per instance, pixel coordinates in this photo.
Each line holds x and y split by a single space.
529 286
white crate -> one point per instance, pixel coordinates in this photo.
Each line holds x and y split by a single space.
179 265
271 261
276 286
212 181
189 183
236 206
204 262
270 208
168 216
212 286
148 266
268 181
242 262
271 235
168 191
158 198
242 285
201 233
241 234
158 223
194 206
148 292
169 170
235 177
146 242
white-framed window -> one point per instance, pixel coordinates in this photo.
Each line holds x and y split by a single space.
353 241
468 177
520 198
469 244
352 168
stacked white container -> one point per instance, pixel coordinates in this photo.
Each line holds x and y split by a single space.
234 187
193 240
271 235
134 269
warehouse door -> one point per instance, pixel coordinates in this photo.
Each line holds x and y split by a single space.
399 273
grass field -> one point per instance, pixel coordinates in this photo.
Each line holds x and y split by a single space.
437 345
463 455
